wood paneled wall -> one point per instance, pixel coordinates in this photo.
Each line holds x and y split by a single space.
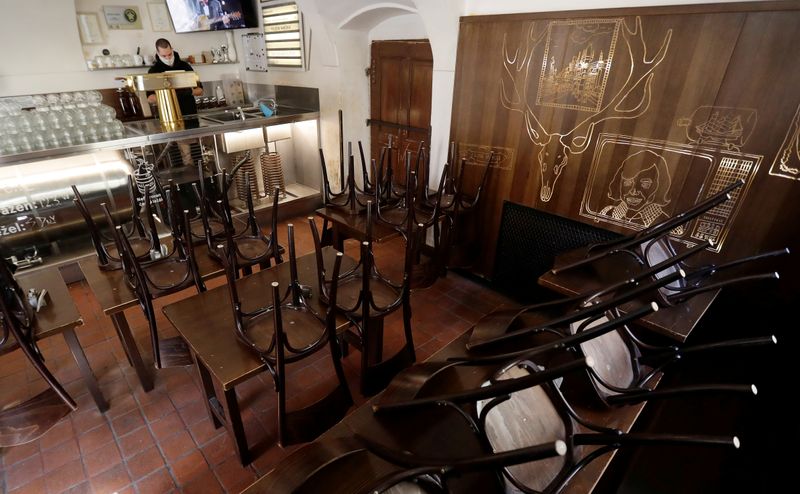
622 117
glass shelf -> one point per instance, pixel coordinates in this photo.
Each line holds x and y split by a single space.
134 67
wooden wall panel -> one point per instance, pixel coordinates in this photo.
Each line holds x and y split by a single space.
683 99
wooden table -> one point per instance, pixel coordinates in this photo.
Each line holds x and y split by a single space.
675 322
60 316
345 225
364 422
115 295
206 322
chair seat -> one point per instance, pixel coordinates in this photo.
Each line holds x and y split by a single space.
166 275
29 420
302 328
251 247
382 293
198 231
141 247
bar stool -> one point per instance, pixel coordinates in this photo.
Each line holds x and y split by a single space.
26 421
262 331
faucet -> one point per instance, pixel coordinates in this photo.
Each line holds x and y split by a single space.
239 113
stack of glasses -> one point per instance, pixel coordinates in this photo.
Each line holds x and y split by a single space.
56 120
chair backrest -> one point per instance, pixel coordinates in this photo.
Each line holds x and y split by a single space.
520 411
146 288
28 420
626 244
105 259
293 298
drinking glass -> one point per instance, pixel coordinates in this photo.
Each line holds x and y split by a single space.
39 100
117 129
91 133
38 121
78 135
92 116
54 119
65 138
106 113
37 141
24 143
8 145
93 98
24 123
51 139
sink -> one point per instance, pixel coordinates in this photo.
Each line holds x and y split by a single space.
229 116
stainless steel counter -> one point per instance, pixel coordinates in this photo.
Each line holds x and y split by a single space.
146 132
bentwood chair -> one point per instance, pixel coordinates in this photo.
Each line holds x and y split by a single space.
628 247
366 297
142 240
400 214
26 421
456 205
171 273
518 324
513 409
287 331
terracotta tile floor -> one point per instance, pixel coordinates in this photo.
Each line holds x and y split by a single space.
163 441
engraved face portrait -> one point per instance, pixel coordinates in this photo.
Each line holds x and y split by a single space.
639 189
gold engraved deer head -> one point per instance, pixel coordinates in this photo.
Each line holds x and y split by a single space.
555 147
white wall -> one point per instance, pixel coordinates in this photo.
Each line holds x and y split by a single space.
408 26
43 52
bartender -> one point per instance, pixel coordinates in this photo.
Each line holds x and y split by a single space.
166 60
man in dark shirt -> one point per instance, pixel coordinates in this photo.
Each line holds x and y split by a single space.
167 59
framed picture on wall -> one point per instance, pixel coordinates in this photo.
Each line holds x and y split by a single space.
122 17
89 28
159 17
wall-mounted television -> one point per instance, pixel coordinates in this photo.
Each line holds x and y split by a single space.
190 16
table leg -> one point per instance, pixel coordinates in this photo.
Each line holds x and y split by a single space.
209 394
224 412
86 371
131 350
235 426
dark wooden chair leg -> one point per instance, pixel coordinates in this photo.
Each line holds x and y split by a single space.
129 344
86 371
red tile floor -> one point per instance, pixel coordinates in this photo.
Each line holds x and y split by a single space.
163 441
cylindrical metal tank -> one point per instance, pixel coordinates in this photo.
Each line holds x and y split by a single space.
36 208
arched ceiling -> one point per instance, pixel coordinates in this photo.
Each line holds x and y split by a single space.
361 14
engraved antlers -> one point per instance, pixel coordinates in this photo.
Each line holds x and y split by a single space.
554 153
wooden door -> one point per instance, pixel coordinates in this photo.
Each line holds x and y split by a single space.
400 81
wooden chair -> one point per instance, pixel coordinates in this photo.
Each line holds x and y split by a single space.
629 246
169 274
400 214
366 297
262 331
513 325
513 412
456 204
344 465
26 421
250 245
142 241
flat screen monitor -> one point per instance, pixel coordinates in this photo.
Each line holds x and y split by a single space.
189 16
